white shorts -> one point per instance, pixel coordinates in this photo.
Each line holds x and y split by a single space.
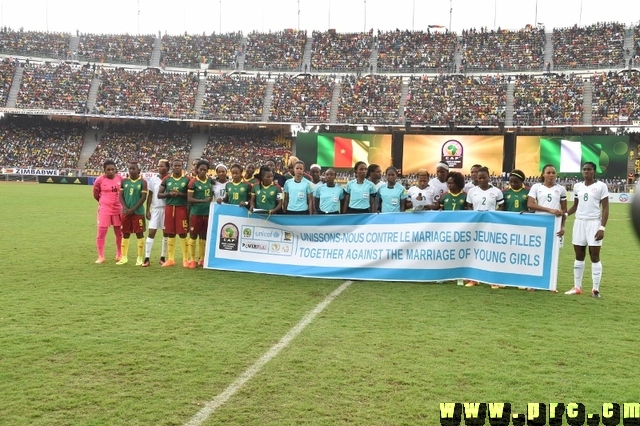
157 218
584 233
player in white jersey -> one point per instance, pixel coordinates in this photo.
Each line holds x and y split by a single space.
421 196
474 178
549 197
220 185
485 197
439 183
155 212
591 206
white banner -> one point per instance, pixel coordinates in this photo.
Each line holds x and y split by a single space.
30 172
492 247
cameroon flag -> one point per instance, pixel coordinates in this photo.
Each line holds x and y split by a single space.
342 151
569 156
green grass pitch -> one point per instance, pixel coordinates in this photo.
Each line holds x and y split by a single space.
86 344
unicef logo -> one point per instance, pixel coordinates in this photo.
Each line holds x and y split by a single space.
624 198
276 234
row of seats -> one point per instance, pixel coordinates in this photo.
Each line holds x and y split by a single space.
40 143
594 46
466 100
551 99
218 50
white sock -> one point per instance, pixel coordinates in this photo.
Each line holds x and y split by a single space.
578 271
596 275
165 240
148 245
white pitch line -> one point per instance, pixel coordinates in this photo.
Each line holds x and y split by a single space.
248 374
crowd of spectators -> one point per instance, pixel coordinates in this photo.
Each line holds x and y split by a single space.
279 51
147 93
234 98
372 99
116 48
217 50
56 85
300 99
135 142
7 71
38 44
414 51
246 147
334 51
599 45
548 100
465 100
503 50
615 98
39 143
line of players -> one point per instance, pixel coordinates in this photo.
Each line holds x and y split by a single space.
179 204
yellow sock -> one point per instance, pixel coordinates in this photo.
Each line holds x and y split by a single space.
192 248
125 246
171 248
140 247
202 247
183 248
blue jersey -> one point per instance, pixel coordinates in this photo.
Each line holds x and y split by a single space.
297 193
391 198
360 193
329 197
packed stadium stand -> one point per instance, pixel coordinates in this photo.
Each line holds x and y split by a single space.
305 98
40 144
245 147
548 100
115 48
189 51
7 70
503 50
59 86
465 100
370 99
595 46
278 51
415 51
37 44
533 76
140 143
235 98
146 93
341 52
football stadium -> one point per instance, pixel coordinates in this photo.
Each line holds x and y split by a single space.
392 313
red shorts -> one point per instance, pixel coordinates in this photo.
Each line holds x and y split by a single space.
198 225
176 220
132 224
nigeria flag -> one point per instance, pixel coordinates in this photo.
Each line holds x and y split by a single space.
569 156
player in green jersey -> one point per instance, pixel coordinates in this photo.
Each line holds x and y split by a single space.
199 195
238 191
455 199
133 193
515 197
174 190
266 196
